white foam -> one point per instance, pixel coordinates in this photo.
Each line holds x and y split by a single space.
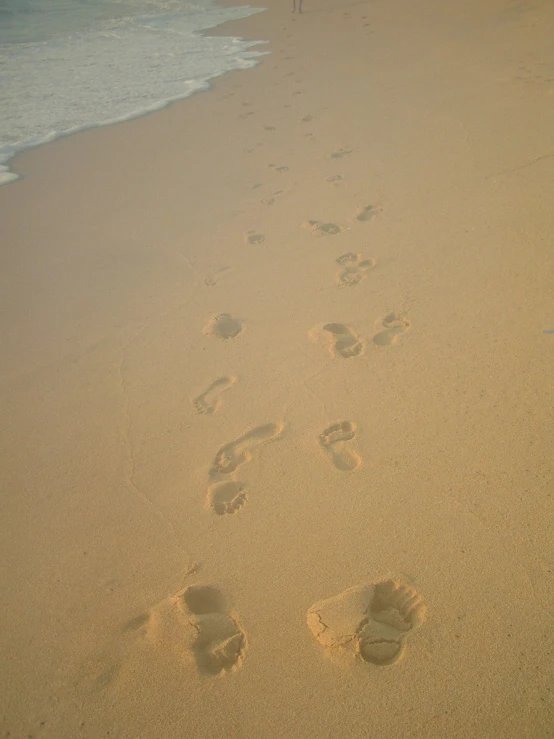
127 68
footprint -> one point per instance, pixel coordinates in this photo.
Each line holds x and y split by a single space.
367 213
226 497
210 400
213 279
231 456
224 326
220 642
372 621
333 438
347 259
254 238
323 229
216 640
354 269
345 342
394 325
340 153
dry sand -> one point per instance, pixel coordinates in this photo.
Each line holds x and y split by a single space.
219 413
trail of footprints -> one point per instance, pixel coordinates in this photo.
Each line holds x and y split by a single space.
344 342
372 621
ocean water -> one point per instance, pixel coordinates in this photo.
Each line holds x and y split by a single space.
66 65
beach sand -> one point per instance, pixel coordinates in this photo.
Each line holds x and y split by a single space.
277 390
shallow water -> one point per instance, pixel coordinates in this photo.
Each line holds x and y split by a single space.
72 64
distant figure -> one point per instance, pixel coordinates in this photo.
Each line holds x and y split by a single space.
299 6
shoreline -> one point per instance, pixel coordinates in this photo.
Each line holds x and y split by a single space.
331 272
11 171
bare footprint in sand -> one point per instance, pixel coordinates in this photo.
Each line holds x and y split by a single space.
319 228
394 325
226 497
194 623
254 238
220 642
224 326
213 279
341 153
333 441
354 269
344 342
236 453
210 400
367 212
372 621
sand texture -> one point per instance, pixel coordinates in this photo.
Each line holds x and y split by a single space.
277 383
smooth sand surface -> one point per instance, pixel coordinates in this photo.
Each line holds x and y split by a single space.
277 354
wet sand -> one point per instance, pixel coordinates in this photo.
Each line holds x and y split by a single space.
277 392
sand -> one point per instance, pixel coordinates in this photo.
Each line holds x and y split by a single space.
277 354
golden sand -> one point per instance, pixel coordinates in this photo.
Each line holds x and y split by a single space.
276 393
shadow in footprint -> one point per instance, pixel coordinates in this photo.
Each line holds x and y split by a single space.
209 401
226 497
324 229
393 326
255 239
354 269
136 623
345 342
340 153
224 326
332 440
372 621
367 213
214 278
236 453
220 642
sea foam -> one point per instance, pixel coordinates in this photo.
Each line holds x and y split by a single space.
109 70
